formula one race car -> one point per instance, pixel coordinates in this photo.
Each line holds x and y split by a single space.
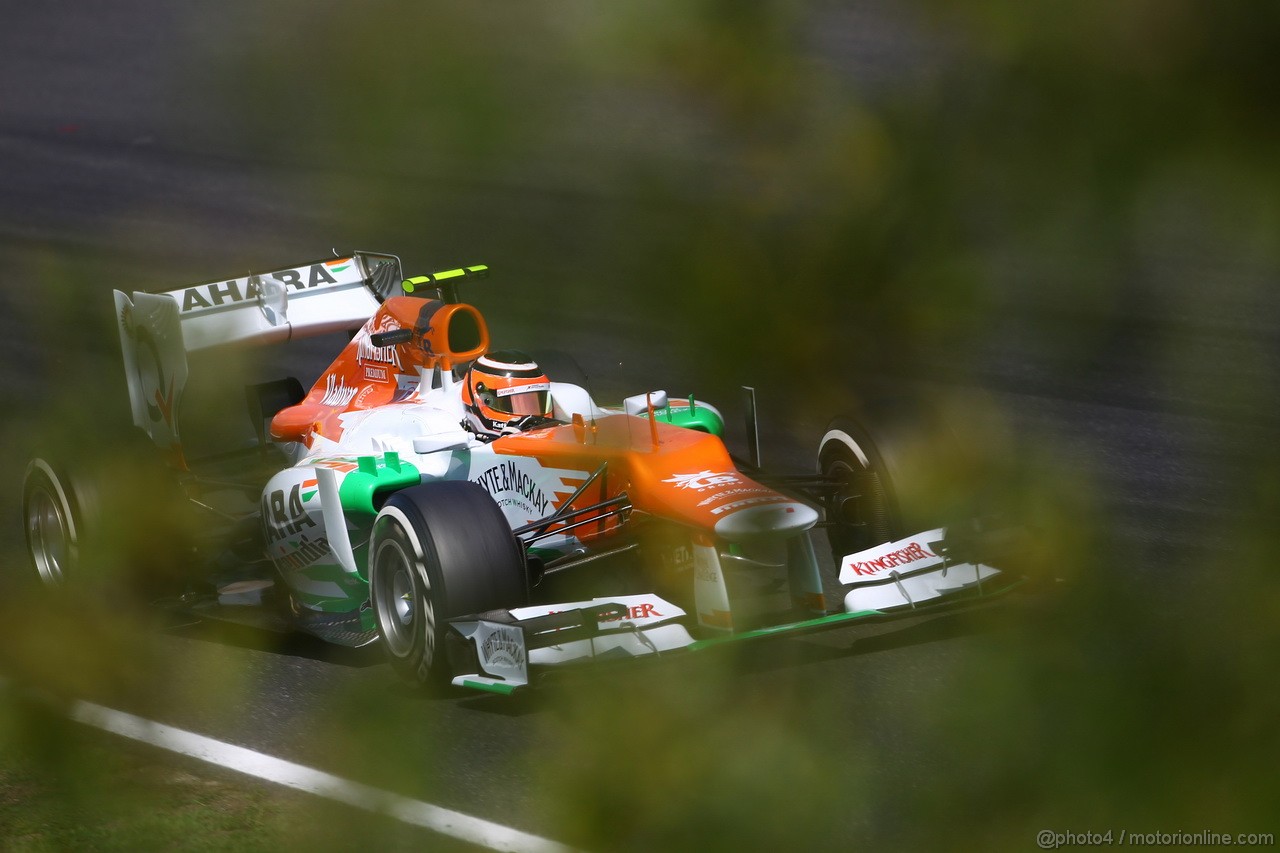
478 519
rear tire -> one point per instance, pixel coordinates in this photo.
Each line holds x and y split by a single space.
438 551
53 521
119 520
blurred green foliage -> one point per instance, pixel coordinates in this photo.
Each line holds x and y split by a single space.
1076 171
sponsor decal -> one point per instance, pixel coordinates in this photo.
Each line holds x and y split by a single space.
406 387
644 610
524 389
307 553
703 480
337 392
283 517
510 485
218 294
773 498
317 274
728 493
367 352
213 295
631 613
913 553
678 559
500 650
503 648
706 566
375 374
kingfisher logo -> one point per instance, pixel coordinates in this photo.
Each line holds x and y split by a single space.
913 553
703 480
366 352
644 610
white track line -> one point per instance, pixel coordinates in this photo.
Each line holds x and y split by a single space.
464 827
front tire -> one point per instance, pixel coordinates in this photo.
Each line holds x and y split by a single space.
438 551
864 508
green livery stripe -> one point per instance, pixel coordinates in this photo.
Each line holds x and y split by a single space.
503 689
691 417
808 624
836 618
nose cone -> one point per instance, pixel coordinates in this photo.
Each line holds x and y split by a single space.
772 519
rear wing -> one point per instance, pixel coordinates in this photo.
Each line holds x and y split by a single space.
158 330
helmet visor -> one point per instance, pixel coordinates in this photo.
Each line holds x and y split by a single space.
531 399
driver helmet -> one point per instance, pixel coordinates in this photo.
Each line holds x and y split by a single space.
504 386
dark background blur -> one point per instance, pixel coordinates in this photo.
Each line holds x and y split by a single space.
1057 224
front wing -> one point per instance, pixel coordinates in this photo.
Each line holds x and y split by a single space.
498 651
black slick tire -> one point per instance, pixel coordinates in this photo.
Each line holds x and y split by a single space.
437 551
864 508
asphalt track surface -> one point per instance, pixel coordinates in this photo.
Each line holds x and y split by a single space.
115 153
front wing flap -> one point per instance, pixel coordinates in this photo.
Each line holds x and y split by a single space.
929 566
494 650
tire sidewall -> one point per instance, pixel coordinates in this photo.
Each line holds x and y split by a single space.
848 444
394 535
42 478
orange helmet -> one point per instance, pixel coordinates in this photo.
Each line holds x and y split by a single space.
504 386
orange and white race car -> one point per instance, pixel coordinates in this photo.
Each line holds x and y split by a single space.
479 519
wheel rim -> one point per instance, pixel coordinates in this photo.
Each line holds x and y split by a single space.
49 536
860 503
845 502
404 608
402 592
